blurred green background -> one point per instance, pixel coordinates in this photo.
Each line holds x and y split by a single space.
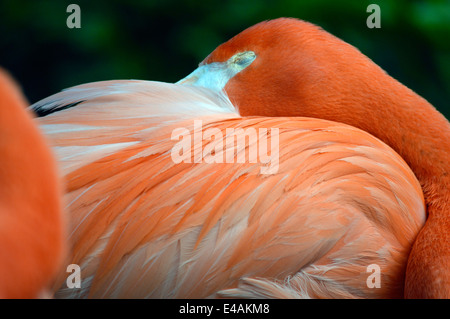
165 40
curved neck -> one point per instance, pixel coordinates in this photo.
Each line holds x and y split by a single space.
420 134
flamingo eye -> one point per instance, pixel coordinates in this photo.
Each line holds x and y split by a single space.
243 59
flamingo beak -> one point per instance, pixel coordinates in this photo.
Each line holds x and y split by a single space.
217 74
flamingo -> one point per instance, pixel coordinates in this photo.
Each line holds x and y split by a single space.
361 161
31 221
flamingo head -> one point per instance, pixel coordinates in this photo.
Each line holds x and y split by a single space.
288 67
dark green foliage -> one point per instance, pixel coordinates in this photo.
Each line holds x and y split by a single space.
165 40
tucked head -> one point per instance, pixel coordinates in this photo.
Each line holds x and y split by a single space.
289 67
